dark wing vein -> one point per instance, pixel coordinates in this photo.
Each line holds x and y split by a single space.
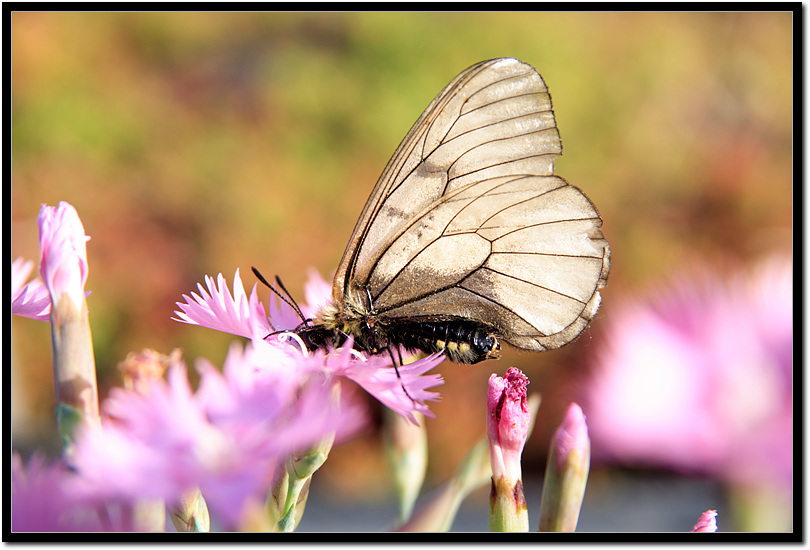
424 129
533 284
450 167
507 98
538 224
481 127
549 254
509 161
489 193
501 210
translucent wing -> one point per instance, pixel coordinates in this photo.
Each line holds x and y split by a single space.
493 119
468 220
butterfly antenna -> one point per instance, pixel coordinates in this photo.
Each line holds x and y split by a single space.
294 303
396 370
289 301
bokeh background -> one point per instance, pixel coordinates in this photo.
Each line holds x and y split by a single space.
196 144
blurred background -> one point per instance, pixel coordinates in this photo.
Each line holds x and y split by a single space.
196 144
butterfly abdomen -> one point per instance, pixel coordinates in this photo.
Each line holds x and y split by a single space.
462 341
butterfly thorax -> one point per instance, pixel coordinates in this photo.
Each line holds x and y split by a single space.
345 320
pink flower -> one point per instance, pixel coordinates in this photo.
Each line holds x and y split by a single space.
707 522
63 261
28 300
37 503
40 502
373 374
234 313
508 422
699 379
216 308
228 438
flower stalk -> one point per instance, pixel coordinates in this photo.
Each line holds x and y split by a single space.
63 269
566 473
300 469
288 497
439 510
406 450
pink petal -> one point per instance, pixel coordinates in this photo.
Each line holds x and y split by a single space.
28 300
698 378
707 522
317 293
572 435
219 310
63 245
40 502
383 383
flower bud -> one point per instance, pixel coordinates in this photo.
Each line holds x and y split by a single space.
63 269
707 523
508 425
63 249
191 513
566 473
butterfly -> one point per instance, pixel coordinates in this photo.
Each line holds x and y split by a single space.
469 239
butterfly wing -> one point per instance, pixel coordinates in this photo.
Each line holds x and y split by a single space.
468 220
420 171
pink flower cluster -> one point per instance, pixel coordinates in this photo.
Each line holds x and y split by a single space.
215 307
230 436
699 379
227 438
